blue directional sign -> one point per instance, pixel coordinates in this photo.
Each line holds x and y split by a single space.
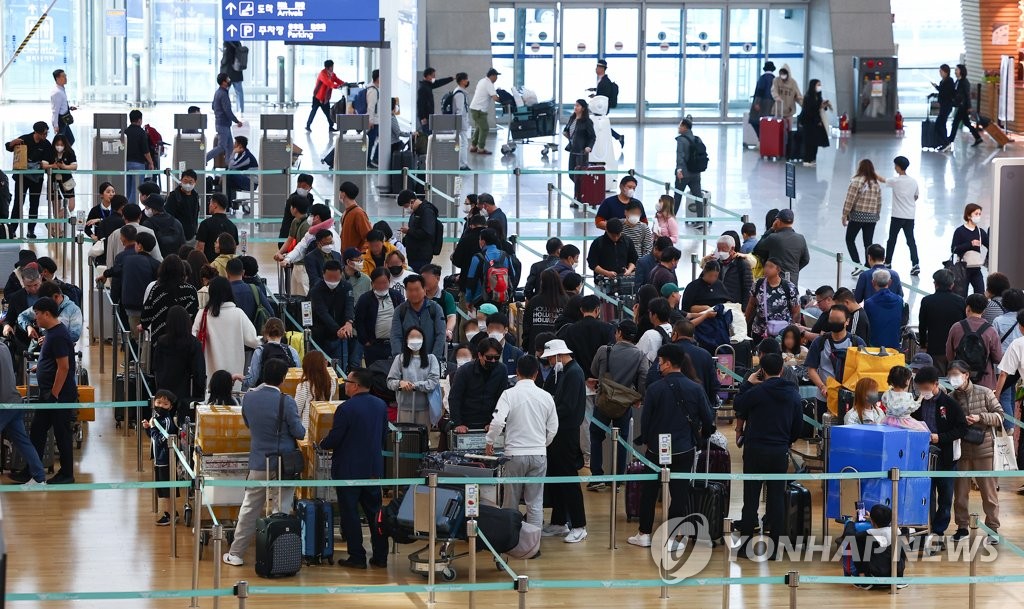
298 21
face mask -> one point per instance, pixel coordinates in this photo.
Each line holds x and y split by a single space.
633 219
186 187
332 284
462 361
927 395
871 398
415 344
470 334
629 192
381 293
59 149
483 212
357 266
836 326
327 248
395 270
956 381
657 206
818 88
722 255
498 336
976 218
558 367
302 191
784 77
466 208
489 365
149 212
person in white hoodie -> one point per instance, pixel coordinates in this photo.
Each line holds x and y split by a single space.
526 414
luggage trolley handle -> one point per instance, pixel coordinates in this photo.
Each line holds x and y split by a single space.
280 490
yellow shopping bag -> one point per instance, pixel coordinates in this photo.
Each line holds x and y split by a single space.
870 362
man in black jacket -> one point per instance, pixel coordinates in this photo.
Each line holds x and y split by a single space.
303 186
183 204
554 245
477 387
39 149
420 232
769 417
425 97
333 311
939 311
212 227
612 254
136 272
606 87
166 227
589 334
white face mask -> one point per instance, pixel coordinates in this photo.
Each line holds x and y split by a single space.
149 212
634 219
956 381
356 266
381 293
558 367
187 187
818 88
498 336
302 191
470 334
927 395
630 192
59 149
415 344
483 212
722 255
466 208
784 76
332 284
327 248
462 361
976 218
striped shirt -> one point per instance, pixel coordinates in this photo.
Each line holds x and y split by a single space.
640 235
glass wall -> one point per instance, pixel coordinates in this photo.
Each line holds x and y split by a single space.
580 52
663 54
30 77
928 33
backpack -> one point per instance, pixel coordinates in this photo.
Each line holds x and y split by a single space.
438 236
262 315
973 351
448 101
359 102
73 292
613 99
838 357
496 280
241 58
404 308
698 159
274 351
156 141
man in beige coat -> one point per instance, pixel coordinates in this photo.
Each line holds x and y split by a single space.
983 411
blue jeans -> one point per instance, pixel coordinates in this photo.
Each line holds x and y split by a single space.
597 437
337 349
355 354
133 180
225 143
65 130
942 503
1006 401
240 94
371 152
12 423
350 499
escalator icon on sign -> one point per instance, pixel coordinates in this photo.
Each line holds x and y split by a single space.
248 30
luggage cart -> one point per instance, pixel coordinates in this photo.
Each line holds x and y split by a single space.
223 466
530 120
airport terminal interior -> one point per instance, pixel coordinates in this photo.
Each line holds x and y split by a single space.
94 543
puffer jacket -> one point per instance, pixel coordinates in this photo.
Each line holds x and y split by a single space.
788 92
975 399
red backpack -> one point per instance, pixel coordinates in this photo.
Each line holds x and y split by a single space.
496 282
156 141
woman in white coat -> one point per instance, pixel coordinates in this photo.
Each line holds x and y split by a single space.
224 330
604 145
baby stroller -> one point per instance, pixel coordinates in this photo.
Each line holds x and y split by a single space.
530 119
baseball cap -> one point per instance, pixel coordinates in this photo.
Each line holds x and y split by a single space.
921 360
785 216
350 253
668 289
488 309
493 72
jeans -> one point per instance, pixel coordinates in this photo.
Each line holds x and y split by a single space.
240 94
942 503
761 461
975 280
65 130
225 143
337 348
907 226
867 230
23 185
355 354
12 424
350 499
463 149
533 466
693 182
133 180
60 421
679 490
371 142
319 105
1006 401
597 436
478 138
253 506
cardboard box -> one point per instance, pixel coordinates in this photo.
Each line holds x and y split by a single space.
221 429
321 419
85 396
291 380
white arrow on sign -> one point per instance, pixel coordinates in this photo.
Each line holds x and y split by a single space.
232 30
230 8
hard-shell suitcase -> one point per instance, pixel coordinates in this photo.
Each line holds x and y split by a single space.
633 491
929 137
798 512
449 511
119 396
717 461
773 137
795 145
710 498
278 538
590 185
317 517
996 133
413 444
401 159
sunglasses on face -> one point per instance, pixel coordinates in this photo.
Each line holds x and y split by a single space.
492 358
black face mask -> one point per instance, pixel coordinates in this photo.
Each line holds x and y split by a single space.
488 365
395 270
836 326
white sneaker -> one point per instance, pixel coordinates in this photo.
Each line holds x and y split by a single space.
642 540
674 545
34 482
555 530
233 559
576 535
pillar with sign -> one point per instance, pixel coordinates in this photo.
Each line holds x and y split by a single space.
275 152
350 145
108 150
443 155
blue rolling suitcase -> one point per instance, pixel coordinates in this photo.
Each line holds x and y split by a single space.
317 518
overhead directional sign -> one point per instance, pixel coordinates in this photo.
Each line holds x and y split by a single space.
309 21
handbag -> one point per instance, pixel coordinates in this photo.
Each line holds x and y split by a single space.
203 335
66 118
974 435
68 185
1004 457
774 327
614 399
293 463
973 259
861 216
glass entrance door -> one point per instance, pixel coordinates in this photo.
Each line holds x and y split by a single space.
702 63
524 47
747 35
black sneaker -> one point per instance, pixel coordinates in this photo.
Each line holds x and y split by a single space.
383 564
164 521
60 478
31 235
915 270
537 555
992 540
352 563
960 534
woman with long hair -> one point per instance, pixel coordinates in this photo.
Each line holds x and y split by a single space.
62 184
543 309
196 261
170 289
641 313
414 375
315 385
224 330
178 362
582 137
861 210
865 409
812 127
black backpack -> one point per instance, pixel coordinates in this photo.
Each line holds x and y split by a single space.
613 99
973 351
448 102
271 351
698 159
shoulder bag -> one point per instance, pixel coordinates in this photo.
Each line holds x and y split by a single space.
293 464
614 399
773 327
974 259
692 420
203 335
857 215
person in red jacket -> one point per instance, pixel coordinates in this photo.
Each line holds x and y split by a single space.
326 81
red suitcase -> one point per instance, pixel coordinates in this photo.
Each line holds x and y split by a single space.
773 137
716 460
590 187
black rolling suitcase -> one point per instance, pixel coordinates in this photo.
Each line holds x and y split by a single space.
401 159
119 396
414 442
711 499
929 137
278 539
798 512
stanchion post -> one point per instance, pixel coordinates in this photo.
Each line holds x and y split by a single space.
172 442
115 337
218 541
242 592
519 214
972 587
127 378
432 513
614 498
551 195
694 263
196 535
839 268
894 477
666 475
471 532
826 442
138 409
395 438
726 567
280 81
668 188
522 587
793 581
405 178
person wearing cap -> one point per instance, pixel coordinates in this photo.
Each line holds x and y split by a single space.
567 384
582 137
945 420
476 388
685 175
607 88
673 294
785 245
14 283
905 193
319 255
982 411
763 103
616 206
611 254
165 227
919 361
483 100
432 280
